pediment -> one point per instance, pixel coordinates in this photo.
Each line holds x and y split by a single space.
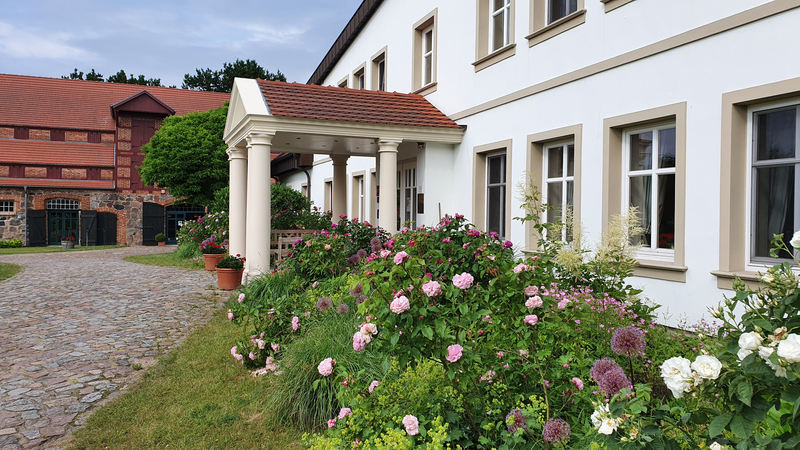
143 102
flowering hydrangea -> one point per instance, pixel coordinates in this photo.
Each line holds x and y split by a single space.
325 368
556 431
454 353
412 425
400 305
463 281
432 289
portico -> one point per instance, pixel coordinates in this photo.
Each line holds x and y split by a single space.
266 117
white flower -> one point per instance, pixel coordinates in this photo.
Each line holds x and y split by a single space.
750 341
715 446
608 426
602 420
707 367
767 278
789 348
765 353
677 375
743 353
795 242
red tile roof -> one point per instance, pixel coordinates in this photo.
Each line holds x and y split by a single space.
58 103
310 101
60 153
40 182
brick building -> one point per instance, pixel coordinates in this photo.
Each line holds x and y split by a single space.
68 156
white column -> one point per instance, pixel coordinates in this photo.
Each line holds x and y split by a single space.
339 195
258 202
237 228
387 154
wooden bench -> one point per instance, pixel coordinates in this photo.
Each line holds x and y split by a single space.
282 241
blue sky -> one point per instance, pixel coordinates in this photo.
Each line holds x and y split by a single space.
167 39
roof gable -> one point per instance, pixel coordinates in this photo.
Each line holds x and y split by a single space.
246 99
143 102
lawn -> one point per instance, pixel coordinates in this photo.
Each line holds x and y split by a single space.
197 397
52 249
8 270
166 260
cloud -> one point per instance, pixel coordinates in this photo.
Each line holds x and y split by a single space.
28 44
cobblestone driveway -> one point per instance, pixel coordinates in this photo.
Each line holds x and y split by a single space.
71 326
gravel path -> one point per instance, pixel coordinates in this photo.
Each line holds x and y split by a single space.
73 324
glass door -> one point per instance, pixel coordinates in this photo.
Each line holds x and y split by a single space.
407 196
62 224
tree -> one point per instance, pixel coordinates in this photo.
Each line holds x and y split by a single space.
222 80
91 76
187 156
121 77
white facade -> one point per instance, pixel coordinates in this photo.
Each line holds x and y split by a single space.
613 66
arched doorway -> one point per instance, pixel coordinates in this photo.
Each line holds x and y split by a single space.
62 220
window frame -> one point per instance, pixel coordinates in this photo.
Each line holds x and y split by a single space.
358 195
541 30
4 204
503 161
420 28
327 201
377 59
485 55
613 128
564 178
480 183
344 82
360 77
505 11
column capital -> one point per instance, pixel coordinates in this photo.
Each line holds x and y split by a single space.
236 153
260 137
388 144
339 160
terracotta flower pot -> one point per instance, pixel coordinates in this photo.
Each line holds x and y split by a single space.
162 243
211 259
229 279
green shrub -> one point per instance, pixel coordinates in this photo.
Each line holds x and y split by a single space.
11 243
188 250
160 237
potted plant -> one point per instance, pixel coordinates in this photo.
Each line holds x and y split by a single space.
67 242
229 272
161 239
212 252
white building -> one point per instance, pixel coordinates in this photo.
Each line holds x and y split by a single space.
688 109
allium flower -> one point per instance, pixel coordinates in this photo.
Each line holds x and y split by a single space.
628 341
343 309
361 253
400 305
353 260
677 375
323 304
359 343
295 323
357 291
610 377
463 281
578 383
375 245
241 297
400 257
373 385
325 368
412 425
515 420
531 319
454 353
344 412
534 302
230 314
707 367
530 291
556 431
432 289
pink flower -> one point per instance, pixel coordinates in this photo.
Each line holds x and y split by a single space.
234 350
531 319
271 366
563 303
578 383
241 297
295 323
325 368
358 342
331 423
400 257
530 291
454 353
463 281
500 354
327 246
373 385
369 328
315 284
400 305
275 347
230 314
534 302
385 253
521 267
344 412
252 356
260 343
432 289
412 425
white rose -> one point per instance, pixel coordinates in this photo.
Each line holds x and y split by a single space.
608 426
765 352
789 348
707 367
795 242
715 446
677 375
750 341
743 353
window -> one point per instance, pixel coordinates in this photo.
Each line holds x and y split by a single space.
491 207
649 186
328 194
774 200
359 77
558 190
379 71
343 82
358 197
62 203
495 32
644 165
550 18
6 206
424 63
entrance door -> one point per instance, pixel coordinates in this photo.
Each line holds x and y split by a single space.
62 223
407 196
177 216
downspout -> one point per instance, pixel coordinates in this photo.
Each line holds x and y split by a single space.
25 214
308 176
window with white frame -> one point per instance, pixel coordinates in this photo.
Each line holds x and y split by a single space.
62 203
559 181
558 9
500 23
496 193
6 206
423 64
774 200
427 56
649 186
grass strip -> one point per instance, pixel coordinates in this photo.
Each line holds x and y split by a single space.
166 260
196 397
53 249
8 270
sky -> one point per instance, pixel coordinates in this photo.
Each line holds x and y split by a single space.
169 38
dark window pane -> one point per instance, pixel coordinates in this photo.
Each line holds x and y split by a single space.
555 162
554 201
428 69
666 148
496 169
570 160
498 4
495 209
499 32
666 211
429 41
641 197
777 134
382 75
641 146
774 207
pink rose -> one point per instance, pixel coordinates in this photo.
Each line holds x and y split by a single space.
271 366
369 328
534 302
412 425
260 343
531 319
578 383
325 368
344 412
295 323
530 291
400 305
385 253
252 356
275 347
331 423
463 281
454 353
563 303
521 267
373 385
233 351
230 314
358 342
241 297
400 257
327 246
432 289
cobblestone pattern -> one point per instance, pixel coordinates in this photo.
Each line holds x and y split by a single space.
71 327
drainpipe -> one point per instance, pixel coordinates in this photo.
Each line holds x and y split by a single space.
25 214
308 183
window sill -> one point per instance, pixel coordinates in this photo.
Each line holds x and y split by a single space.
614 4
725 279
661 270
429 88
556 28
495 57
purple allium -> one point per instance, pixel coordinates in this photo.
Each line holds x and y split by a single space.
628 341
343 309
375 245
360 299
556 431
353 260
516 420
610 376
357 291
323 304
602 366
361 253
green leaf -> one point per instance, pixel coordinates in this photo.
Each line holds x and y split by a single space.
796 408
718 424
745 392
427 332
741 427
393 340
